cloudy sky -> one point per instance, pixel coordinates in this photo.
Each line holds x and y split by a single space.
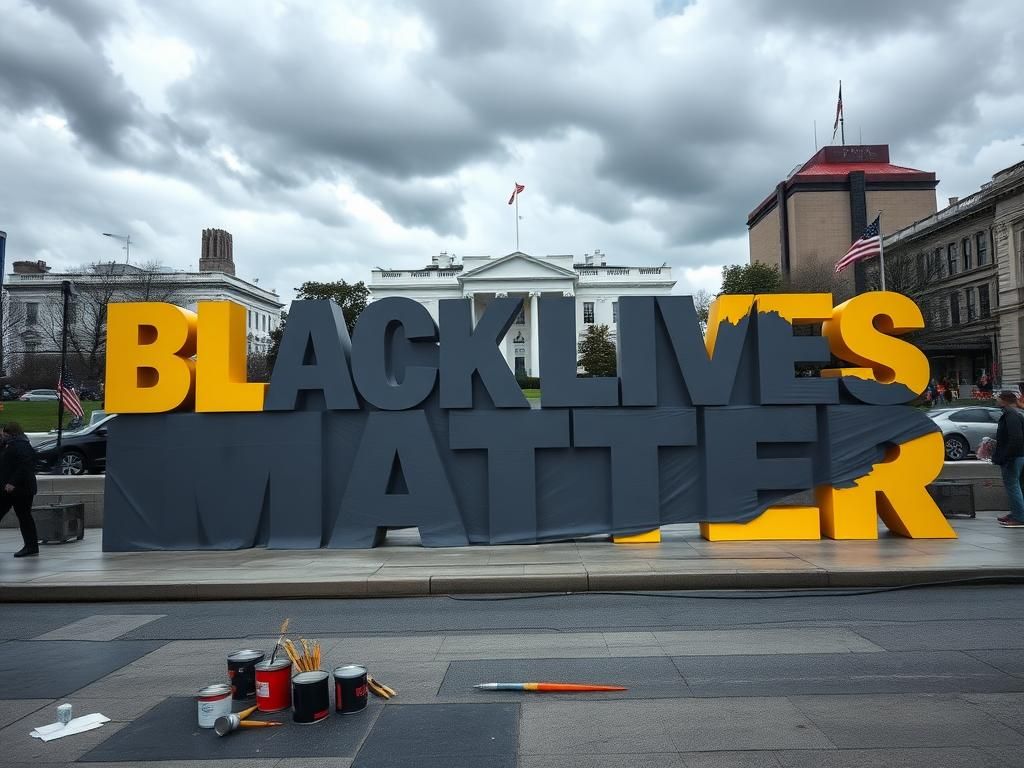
330 137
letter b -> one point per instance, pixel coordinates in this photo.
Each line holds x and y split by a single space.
149 351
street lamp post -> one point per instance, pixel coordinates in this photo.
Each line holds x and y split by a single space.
127 239
66 290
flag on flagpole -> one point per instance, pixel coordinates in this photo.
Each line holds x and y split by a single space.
839 111
869 245
70 398
518 188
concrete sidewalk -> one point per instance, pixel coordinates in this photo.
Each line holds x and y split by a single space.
81 571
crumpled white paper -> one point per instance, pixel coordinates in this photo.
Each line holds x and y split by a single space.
78 725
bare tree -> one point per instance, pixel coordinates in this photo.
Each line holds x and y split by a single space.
95 287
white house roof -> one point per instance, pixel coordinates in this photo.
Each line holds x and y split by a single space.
518 265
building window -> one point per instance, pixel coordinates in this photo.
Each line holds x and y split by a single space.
72 312
954 308
981 241
615 312
250 319
983 301
951 261
31 312
588 312
937 268
965 247
972 306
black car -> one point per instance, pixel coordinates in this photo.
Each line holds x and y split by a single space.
80 452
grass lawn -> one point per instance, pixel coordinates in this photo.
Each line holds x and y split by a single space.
40 417
532 394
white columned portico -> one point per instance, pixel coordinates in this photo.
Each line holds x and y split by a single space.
472 308
534 334
506 342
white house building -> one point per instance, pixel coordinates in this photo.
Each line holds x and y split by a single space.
595 284
33 303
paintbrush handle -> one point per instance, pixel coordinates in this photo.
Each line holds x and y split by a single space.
258 723
246 712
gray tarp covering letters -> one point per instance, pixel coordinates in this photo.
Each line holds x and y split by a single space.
339 456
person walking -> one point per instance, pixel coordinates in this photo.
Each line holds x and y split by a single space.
1009 456
18 484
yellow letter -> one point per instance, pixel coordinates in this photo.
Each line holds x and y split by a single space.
221 372
861 331
783 523
895 488
149 346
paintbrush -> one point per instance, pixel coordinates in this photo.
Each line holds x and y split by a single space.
277 645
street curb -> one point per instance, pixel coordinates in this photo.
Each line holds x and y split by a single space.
481 583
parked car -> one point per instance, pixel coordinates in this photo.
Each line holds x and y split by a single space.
80 452
10 392
964 428
36 395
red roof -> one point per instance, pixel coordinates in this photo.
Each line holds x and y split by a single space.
834 165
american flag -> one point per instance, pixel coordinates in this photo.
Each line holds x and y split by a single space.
70 398
519 188
870 244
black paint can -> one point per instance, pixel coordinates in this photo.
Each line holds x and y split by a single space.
242 673
311 697
350 689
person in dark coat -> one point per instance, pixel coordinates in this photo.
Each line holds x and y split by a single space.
1009 455
18 484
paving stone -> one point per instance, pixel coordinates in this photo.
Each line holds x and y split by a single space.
646 678
947 635
453 735
915 720
764 641
12 710
1011 661
665 725
662 760
729 760
18 746
50 669
169 732
842 673
100 627
1007 708
946 757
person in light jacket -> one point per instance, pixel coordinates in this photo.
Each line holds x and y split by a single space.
1009 456
18 484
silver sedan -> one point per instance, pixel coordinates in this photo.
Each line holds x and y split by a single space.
964 428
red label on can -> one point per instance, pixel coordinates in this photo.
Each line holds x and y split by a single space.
360 691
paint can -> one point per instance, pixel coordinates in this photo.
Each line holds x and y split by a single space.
350 689
212 702
242 673
311 697
64 714
274 685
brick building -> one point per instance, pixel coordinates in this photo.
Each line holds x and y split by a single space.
809 221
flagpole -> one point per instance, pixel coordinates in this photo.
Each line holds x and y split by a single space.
842 115
517 221
881 251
